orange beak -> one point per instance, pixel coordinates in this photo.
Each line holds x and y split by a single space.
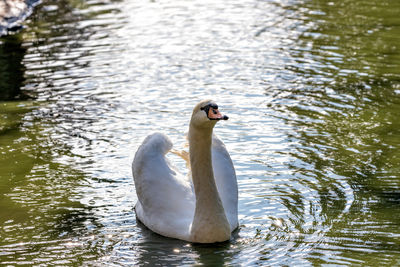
214 114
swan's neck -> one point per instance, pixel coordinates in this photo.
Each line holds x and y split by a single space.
209 223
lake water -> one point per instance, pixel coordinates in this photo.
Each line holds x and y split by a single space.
312 89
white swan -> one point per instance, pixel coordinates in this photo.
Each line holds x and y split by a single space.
170 204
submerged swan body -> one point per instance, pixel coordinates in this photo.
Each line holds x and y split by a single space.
200 209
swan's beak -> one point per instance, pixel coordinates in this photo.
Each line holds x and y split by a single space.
214 114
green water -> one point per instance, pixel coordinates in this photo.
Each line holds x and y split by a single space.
312 89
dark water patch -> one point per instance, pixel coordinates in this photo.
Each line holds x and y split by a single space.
12 69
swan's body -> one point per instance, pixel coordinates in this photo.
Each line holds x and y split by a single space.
169 203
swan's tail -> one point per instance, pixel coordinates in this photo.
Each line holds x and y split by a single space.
183 154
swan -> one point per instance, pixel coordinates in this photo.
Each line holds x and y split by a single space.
201 207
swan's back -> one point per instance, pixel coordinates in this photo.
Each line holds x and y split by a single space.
225 179
166 201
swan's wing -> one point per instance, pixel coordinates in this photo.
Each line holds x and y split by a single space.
165 198
225 178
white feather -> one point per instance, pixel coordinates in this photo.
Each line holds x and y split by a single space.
166 198
225 178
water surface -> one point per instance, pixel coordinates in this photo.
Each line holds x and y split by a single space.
313 95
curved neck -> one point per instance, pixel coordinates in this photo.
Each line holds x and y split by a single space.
201 165
209 223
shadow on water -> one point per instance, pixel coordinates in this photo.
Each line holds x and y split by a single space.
11 68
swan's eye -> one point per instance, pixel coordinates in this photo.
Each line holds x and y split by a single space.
214 106
207 107
212 112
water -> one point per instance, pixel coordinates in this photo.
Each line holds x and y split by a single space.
313 95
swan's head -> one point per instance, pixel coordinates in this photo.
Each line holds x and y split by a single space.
206 114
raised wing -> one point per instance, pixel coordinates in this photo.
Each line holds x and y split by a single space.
166 201
225 178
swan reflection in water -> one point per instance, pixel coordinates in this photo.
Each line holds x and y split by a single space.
151 249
